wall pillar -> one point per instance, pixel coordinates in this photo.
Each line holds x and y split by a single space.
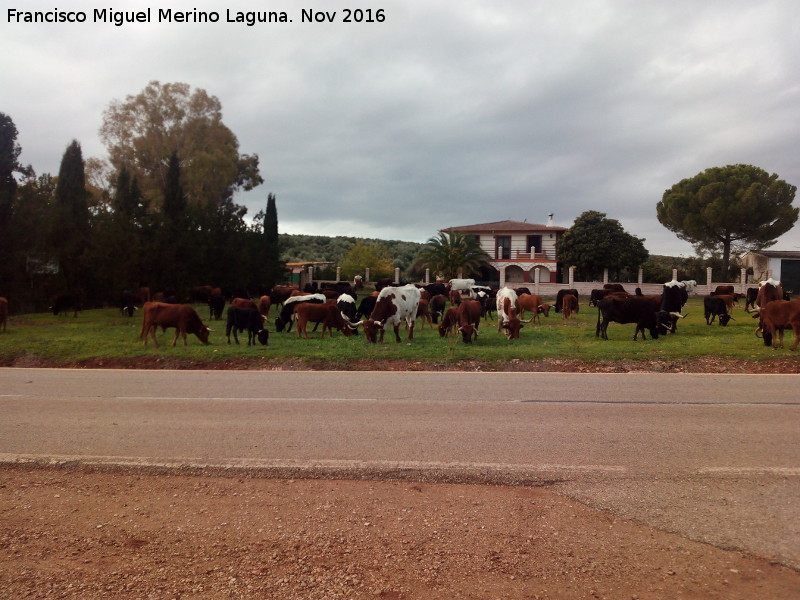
397 275
427 276
338 274
537 274
605 276
743 280
502 277
571 277
640 277
366 274
709 278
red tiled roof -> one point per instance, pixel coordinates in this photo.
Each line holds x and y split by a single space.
508 226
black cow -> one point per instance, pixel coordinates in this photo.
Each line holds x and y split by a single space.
64 303
641 311
596 295
435 289
340 287
713 307
560 297
366 307
216 302
285 318
127 303
673 297
246 319
436 306
752 294
346 304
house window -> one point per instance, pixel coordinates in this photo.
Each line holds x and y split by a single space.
503 247
535 241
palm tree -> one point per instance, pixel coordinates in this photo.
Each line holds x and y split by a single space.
451 253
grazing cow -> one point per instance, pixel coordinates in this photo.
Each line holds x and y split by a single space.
777 316
614 287
182 317
449 321
560 297
462 285
244 303
328 314
394 305
64 303
3 313
716 306
522 290
487 301
507 313
533 303
289 305
455 297
127 304
769 291
264 304
673 297
723 290
366 307
340 287
468 315
246 319
216 303
476 290
569 305
436 306
631 310
346 304
201 293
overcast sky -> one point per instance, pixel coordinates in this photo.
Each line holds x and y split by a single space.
446 113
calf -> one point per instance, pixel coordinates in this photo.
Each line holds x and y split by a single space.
246 319
423 312
328 314
180 316
715 306
569 304
468 314
289 306
449 322
533 303
560 297
777 316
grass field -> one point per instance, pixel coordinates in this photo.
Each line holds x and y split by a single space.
105 335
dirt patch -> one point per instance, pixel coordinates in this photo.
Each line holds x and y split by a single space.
700 364
91 535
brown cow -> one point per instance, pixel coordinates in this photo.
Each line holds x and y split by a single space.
264 304
469 318
455 297
723 290
423 312
244 303
3 313
326 313
180 316
449 321
533 303
569 305
777 316
507 311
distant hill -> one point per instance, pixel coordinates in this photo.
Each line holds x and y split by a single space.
297 248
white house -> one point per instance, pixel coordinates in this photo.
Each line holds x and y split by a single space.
518 249
783 265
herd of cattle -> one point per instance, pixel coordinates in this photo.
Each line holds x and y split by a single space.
335 307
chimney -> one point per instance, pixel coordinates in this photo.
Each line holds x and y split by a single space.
550 220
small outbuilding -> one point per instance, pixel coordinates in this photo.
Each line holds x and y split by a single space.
783 265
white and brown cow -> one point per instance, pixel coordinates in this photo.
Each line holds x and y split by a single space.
395 304
507 313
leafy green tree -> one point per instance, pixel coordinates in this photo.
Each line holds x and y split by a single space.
729 210
451 253
595 242
71 230
362 255
9 165
143 131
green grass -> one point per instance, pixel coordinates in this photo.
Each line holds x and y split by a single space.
104 334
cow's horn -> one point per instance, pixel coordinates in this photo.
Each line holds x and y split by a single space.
677 314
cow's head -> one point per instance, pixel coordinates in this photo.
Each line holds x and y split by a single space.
725 318
263 337
371 328
202 333
543 309
443 330
512 327
279 324
467 331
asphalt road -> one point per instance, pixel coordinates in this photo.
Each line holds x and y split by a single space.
715 458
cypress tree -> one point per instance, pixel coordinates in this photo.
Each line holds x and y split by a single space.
71 231
272 251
